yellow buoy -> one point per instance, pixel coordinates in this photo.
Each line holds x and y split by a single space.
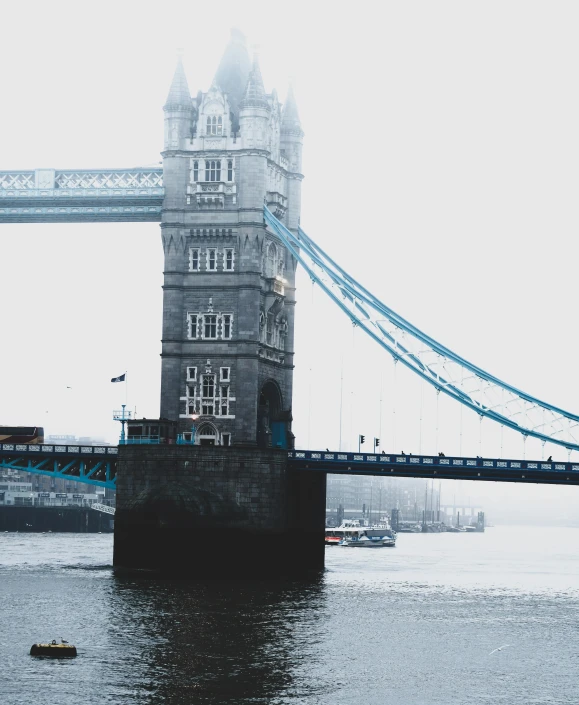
53 650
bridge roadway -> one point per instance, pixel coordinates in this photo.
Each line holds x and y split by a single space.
428 466
97 465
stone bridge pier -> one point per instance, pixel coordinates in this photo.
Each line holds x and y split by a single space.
217 512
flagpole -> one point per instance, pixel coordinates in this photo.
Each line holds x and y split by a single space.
126 389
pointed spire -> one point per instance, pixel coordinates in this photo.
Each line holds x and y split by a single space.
179 95
233 69
254 91
290 119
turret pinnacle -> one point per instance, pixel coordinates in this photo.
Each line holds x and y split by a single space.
233 69
290 119
179 95
254 91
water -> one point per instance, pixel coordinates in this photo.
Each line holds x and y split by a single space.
413 625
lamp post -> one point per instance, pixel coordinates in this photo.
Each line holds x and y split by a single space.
194 418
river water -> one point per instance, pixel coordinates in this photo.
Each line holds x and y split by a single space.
412 625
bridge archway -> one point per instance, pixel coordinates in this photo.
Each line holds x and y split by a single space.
207 435
269 410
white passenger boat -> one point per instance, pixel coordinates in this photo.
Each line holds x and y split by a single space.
361 536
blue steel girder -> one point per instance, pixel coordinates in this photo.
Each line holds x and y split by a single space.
436 364
92 465
103 195
441 468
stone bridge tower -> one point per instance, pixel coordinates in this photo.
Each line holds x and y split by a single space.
229 283
227 355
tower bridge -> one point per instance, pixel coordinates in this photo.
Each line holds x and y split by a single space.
228 199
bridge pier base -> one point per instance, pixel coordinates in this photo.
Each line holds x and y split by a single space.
216 512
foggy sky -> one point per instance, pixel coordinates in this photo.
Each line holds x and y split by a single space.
440 162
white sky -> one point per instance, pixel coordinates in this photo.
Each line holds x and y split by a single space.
440 158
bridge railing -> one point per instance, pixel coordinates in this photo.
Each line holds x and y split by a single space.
39 449
321 457
51 179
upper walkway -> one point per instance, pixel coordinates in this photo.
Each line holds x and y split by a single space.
90 195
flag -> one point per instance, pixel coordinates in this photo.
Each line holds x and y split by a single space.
119 379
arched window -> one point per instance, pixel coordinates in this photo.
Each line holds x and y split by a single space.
270 269
230 170
208 125
213 170
195 171
219 125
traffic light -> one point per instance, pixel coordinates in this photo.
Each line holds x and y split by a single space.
362 439
376 442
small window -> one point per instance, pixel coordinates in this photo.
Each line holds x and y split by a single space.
270 269
220 125
192 325
195 170
226 326
190 390
226 439
211 260
230 170
210 328
191 374
224 408
270 329
225 374
228 260
194 259
224 391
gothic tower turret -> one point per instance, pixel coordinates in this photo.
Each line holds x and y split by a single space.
228 314
291 140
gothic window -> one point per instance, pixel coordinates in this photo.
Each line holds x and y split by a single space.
195 170
230 170
226 326
228 260
270 263
192 320
191 374
212 170
208 395
280 268
208 386
225 374
194 259
224 401
211 260
210 327
214 125
269 338
190 390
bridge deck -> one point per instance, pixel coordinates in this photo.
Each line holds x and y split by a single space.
92 465
428 466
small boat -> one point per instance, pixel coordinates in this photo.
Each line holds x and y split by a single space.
370 537
350 533
54 650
